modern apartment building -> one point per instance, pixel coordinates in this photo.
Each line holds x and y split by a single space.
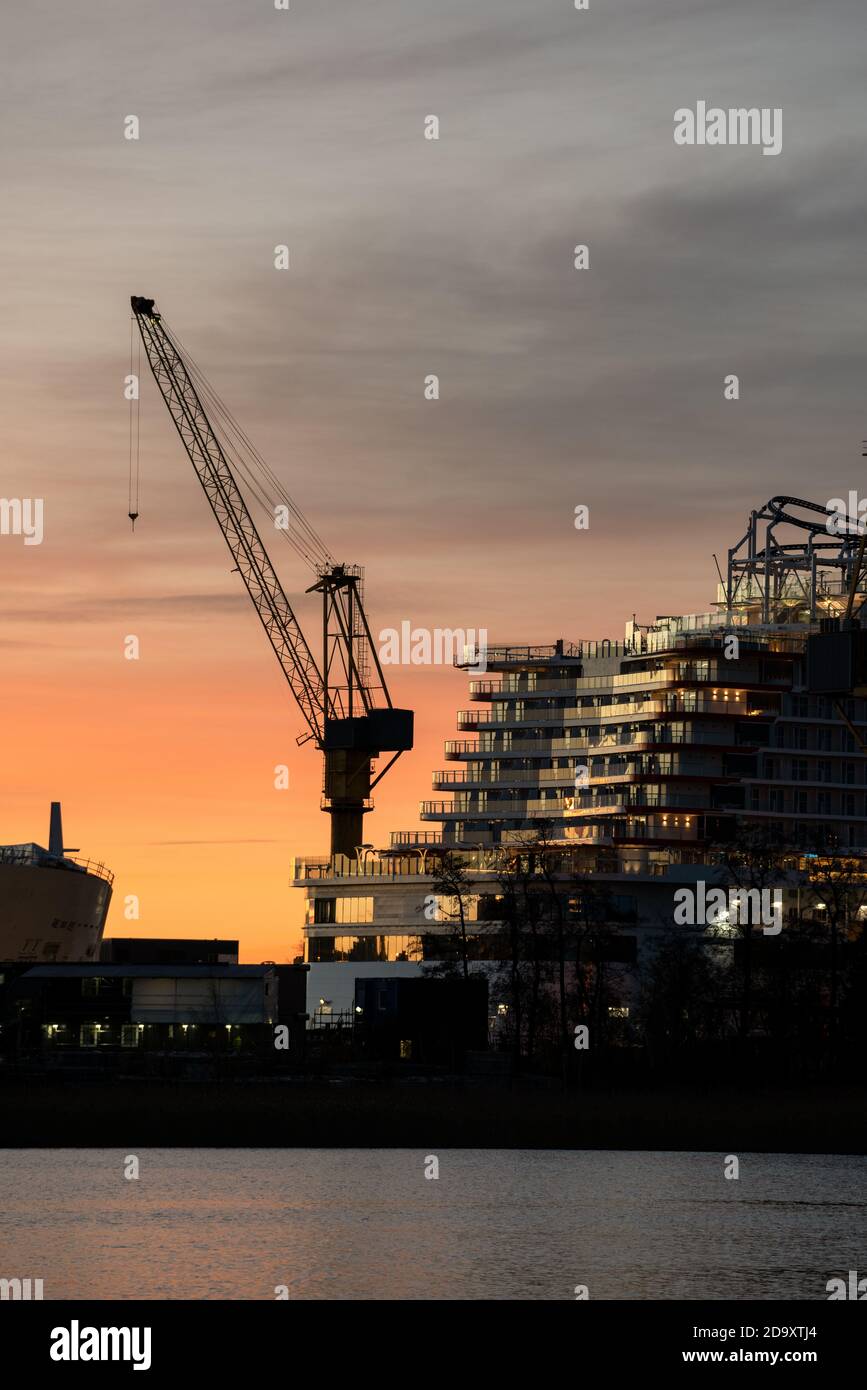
641 757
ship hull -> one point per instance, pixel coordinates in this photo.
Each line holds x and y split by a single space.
51 914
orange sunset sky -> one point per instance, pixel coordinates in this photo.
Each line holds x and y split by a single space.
602 387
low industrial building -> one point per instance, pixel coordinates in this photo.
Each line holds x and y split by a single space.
121 1009
430 1021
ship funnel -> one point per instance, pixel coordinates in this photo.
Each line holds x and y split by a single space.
55 833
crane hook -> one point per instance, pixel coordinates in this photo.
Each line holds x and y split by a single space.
133 516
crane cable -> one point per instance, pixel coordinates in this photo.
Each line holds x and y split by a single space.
309 551
258 475
134 426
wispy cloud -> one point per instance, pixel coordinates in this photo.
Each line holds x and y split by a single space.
169 843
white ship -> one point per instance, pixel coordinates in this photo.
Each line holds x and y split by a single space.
53 906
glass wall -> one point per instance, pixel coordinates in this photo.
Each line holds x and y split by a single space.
322 949
349 910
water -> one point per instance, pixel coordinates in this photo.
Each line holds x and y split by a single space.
365 1224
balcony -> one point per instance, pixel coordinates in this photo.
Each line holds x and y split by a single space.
580 685
520 777
520 656
682 704
341 866
494 810
398 838
527 684
444 839
633 831
632 772
639 798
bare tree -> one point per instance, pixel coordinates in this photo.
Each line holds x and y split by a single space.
678 1008
836 889
753 862
453 886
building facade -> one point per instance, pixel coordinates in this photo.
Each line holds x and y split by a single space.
641 757
127 1008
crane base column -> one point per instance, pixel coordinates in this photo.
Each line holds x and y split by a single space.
347 797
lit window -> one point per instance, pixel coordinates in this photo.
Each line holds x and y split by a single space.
339 911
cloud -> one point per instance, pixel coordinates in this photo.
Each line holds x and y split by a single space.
455 257
168 843
168 607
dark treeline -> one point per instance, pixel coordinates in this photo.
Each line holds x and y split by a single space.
581 990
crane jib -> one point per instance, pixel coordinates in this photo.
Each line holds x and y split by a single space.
234 519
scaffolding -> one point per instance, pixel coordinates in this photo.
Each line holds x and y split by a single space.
788 578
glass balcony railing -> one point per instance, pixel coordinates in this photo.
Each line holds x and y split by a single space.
620 770
684 632
722 675
690 702
487 747
543 776
643 798
342 866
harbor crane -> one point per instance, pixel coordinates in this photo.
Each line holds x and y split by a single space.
343 697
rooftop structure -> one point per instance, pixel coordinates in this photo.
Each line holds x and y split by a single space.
163 950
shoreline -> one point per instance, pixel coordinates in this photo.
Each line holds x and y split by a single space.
351 1114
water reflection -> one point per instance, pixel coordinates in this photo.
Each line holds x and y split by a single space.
364 1224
